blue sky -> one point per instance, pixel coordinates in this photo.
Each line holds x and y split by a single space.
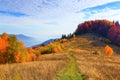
44 19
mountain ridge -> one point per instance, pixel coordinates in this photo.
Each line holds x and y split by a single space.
28 40
44 43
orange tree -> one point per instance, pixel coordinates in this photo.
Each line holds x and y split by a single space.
108 50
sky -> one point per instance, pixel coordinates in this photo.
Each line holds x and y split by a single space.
46 19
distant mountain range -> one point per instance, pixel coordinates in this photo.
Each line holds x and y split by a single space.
32 42
45 42
28 41
23 37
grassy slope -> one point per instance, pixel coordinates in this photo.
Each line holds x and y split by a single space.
94 67
99 67
46 69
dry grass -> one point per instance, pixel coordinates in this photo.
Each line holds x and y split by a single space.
88 43
94 66
54 56
38 70
97 67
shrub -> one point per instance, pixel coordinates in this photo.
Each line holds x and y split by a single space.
52 47
97 52
108 50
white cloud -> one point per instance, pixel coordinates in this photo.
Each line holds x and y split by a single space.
62 12
107 14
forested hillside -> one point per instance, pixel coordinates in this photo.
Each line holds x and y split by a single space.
108 29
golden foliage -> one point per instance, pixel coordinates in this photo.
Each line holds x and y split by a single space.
18 57
31 56
11 50
5 36
64 40
56 49
22 44
52 47
30 50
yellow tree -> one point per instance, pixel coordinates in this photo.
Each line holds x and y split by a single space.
31 55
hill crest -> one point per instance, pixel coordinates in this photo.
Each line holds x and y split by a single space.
108 29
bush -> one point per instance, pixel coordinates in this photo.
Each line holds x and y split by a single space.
53 47
97 52
108 50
